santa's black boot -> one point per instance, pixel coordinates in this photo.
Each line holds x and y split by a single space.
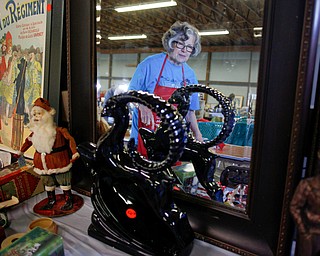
69 200
51 201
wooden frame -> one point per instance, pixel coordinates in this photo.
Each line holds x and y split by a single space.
82 80
238 101
277 157
282 117
53 75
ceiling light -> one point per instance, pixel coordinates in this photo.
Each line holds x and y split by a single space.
257 32
214 32
98 7
127 37
145 6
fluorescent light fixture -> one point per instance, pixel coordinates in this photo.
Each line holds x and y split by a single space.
98 7
127 37
145 6
216 32
257 32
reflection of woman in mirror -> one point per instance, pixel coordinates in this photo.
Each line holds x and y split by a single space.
161 74
305 209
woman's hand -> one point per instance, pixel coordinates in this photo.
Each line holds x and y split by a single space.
198 136
146 116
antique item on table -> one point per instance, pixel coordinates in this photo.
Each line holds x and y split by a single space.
36 242
4 222
305 210
203 160
13 201
19 183
47 224
234 175
132 197
235 180
52 160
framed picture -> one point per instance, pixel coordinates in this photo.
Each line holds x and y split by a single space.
27 40
238 101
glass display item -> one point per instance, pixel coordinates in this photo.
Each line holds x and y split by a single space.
132 197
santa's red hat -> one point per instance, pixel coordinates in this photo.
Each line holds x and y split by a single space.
43 103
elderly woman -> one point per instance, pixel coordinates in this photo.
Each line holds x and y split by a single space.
161 74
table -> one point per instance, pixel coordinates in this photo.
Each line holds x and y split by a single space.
231 155
73 228
233 152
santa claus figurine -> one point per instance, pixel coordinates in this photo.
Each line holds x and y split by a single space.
55 152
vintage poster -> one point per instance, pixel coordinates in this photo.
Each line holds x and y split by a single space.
22 41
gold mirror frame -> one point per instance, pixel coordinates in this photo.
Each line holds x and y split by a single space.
289 36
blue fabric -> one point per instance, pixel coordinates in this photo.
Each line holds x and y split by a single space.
249 135
146 76
238 135
134 126
241 134
210 130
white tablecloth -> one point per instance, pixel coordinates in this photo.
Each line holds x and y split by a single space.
74 227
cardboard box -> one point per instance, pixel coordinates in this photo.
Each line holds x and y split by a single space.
37 242
22 183
185 173
189 180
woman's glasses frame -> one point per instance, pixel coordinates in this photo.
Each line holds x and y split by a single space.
180 45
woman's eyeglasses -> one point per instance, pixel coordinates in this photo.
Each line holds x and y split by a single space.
181 46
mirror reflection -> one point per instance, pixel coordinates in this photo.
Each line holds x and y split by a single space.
228 62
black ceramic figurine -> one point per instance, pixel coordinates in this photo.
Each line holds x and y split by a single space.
203 160
132 196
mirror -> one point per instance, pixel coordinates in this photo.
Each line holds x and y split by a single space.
285 72
228 63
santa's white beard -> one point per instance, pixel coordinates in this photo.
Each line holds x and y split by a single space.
44 135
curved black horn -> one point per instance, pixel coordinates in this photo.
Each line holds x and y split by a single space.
170 117
181 98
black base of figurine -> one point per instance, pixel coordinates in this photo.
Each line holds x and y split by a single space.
93 232
113 241
125 243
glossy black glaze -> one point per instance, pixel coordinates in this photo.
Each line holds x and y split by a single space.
197 152
132 196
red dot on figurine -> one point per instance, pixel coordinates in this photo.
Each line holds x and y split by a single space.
131 213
